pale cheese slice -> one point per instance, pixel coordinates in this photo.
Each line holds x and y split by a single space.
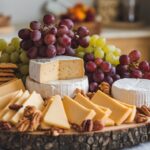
100 114
56 115
11 86
119 112
33 100
8 115
77 113
12 101
4 100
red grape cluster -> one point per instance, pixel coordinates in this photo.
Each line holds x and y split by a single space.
50 39
130 67
98 71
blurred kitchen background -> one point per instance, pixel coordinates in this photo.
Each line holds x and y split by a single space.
125 23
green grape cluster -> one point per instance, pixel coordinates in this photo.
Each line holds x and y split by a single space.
100 49
12 53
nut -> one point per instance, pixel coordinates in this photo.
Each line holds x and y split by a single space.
15 107
29 111
97 125
87 125
140 118
145 110
105 87
23 125
79 91
76 127
4 125
90 94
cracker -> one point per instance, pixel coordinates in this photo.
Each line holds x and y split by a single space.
2 79
7 70
6 74
8 66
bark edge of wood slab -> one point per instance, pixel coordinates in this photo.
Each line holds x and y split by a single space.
104 140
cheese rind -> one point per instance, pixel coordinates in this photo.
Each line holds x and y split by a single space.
33 100
100 114
55 115
58 68
119 112
76 113
60 87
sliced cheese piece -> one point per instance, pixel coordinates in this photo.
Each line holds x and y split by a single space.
11 86
119 112
109 122
12 101
77 113
4 100
105 109
100 114
59 87
132 115
33 100
8 115
56 115
58 68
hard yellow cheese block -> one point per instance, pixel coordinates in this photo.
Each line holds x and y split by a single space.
119 112
7 116
4 100
100 114
105 109
12 101
109 122
11 86
33 100
76 113
55 115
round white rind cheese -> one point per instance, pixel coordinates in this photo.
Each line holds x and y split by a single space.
132 91
60 87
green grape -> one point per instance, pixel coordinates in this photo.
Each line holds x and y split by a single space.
110 57
116 61
89 49
98 53
14 57
100 42
117 52
24 69
80 49
93 39
15 42
109 49
80 54
3 45
5 58
23 57
10 49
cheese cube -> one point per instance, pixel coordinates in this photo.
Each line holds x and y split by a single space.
119 112
77 113
58 68
100 114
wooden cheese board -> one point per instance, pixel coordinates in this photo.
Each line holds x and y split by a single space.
110 138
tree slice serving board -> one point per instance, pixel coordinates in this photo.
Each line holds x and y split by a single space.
116 137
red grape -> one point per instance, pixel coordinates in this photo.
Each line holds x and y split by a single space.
116 77
146 75
60 50
124 60
62 30
70 51
112 71
93 86
98 76
74 43
50 51
105 66
70 33
120 69
136 74
108 79
48 19
38 43
125 75
24 34
90 76
65 40
134 55
35 35
83 31
98 61
42 51
26 44
144 66
84 42
90 66
49 39
32 53
53 30
69 23
35 25
89 57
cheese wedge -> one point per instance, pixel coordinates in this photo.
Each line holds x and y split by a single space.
119 112
11 86
109 122
56 115
12 101
105 109
8 115
33 100
77 113
4 100
100 114
132 115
